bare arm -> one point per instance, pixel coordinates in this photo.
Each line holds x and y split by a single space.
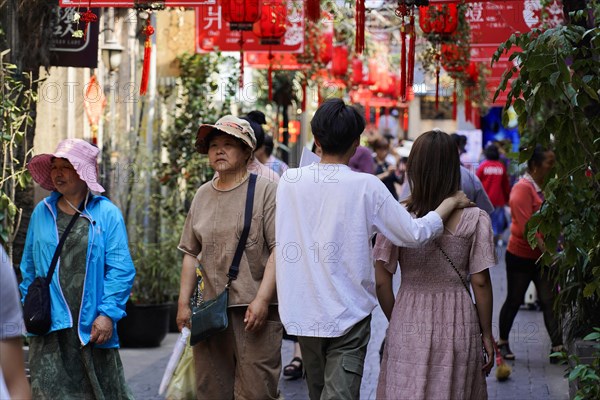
257 311
385 292
13 368
186 290
458 200
482 288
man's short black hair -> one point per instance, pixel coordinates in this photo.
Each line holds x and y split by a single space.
336 126
259 133
491 152
268 145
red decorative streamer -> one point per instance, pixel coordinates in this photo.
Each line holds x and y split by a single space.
313 10
360 26
303 103
411 53
454 106
241 80
270 75
148 31
468 107
437 87
403 63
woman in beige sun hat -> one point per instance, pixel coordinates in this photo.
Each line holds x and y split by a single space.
243 361
78 357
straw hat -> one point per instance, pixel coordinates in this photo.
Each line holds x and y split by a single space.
229 124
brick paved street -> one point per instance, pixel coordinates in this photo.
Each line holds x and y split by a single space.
533 376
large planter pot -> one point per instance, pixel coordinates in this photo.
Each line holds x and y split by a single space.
584 349
145 325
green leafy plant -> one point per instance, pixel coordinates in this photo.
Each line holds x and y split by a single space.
556 98
205 91
17 99
587 376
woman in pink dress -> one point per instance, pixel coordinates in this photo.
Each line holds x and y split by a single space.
439 344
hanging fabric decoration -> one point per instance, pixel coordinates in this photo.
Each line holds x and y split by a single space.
437 81
360 26
403 63
148 31
411 53
94 103
241 14
241 60
270 75
88 17
454 106
313 10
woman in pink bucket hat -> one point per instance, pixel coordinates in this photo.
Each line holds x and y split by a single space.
91 282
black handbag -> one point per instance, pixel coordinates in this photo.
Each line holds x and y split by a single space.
36 307
210 317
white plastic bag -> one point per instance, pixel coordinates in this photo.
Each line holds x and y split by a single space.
178 350
183 382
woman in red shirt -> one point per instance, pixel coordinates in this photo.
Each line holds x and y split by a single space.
522 265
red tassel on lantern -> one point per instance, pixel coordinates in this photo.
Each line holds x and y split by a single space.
360 26
148 31
437 87
403 64
313 10
303 103
454 106
270 76
241 60
411 53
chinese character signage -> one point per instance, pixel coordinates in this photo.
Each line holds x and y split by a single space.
131 3
213 33
492 23
67 50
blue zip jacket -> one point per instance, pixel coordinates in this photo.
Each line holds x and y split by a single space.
109 269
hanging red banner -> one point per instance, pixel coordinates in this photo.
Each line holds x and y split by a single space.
213 33
492 23
280 61
131 3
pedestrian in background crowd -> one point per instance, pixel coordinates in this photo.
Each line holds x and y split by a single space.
325 278
265 155
78 357
442 357
13 382
243 361
256 119
383 169
494 178
522 262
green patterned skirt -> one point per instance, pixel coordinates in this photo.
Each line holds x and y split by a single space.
62 369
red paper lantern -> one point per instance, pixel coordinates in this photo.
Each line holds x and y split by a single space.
339 64
357 71
241 14
440 19
273 20
473 72
325 53
454 58
372 74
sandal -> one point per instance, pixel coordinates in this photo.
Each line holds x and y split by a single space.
505 351
294 369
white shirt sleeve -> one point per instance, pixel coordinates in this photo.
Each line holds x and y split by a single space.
396 224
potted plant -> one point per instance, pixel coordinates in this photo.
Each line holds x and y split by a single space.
556 96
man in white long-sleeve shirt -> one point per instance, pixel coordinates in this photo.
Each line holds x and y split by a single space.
326 215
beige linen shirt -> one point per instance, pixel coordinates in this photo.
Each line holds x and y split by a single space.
212 231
